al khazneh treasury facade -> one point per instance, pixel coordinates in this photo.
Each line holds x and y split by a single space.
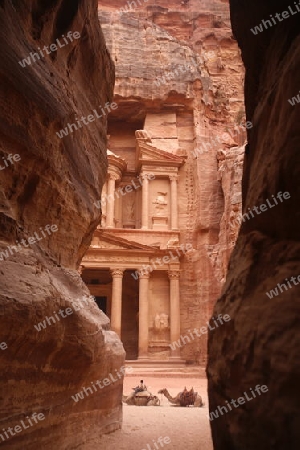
133 267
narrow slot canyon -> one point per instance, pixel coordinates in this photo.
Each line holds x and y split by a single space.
149 225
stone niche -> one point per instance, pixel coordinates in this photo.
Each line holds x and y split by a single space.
159 315
130 210
160 204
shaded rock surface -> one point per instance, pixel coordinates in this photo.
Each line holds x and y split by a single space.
55 182
261 344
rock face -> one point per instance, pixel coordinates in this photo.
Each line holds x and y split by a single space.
180 58
52 181
230 168
261 344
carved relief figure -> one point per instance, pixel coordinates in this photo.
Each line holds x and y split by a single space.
161 322
129 208
160 203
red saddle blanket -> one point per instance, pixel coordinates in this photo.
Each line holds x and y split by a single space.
187 397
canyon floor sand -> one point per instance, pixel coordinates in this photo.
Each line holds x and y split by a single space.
188 428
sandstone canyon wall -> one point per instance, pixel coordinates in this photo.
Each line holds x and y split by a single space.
150 42
53 181
261 345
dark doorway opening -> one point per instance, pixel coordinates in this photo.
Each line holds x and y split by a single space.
102 303
130 320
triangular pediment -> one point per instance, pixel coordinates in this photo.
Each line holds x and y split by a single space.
148 154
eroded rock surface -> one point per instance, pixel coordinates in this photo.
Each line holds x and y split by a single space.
55 181
261 344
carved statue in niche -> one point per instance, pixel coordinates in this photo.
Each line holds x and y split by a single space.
129 209
161 322
160 203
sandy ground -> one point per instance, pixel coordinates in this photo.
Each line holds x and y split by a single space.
187 428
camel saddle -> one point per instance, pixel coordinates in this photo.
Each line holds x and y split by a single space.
187 398
143 394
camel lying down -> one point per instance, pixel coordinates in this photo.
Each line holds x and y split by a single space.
141 399
184 398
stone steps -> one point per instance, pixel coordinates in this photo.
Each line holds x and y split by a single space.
164 369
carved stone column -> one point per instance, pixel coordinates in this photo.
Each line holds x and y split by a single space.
145 201
116 300
110 200
174 202
104 205
143 315
174 310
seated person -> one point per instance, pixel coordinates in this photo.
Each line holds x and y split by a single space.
140 388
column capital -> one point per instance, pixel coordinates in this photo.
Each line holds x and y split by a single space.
144 176
174 274
144 275
173 177
113 176
117 273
